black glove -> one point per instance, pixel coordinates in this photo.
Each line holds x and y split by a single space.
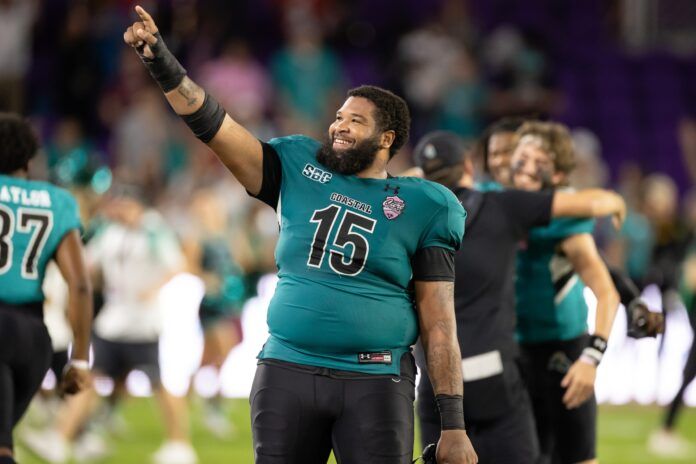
642 322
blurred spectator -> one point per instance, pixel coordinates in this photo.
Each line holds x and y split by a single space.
666 441
687 139
631 250
660 205
79 80
145 143
211 251
463 101
134 256
241 85
70 156
455 17
590 168
16 20
519 73
426 56
308 76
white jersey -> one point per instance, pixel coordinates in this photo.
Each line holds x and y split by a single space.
134 263
55 291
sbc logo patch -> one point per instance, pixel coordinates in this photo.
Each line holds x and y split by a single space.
316 174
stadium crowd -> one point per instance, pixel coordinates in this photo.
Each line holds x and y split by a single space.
282 67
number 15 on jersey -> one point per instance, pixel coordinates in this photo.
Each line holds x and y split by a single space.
353 229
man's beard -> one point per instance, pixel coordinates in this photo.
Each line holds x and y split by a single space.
351 160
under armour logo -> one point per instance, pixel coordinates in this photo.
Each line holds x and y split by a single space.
394 189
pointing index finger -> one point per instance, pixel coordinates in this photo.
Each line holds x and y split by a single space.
147 19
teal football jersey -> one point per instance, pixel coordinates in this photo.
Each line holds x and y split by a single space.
34 218
488 186
550 300
344 262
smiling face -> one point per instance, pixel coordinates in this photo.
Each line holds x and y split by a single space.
354 123
354 139
532 167
500 148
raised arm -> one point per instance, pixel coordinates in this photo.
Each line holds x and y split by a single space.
71 262
582 252
238 150
590 203
438 332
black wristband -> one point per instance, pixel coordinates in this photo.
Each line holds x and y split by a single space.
451 411
206 122
595 349
164 67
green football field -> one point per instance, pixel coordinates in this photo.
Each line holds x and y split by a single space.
623 431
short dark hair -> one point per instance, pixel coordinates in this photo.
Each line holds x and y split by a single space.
507 124
392 113
18 143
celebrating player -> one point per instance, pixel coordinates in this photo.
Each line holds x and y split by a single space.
337 371
38 222
497 408
553 268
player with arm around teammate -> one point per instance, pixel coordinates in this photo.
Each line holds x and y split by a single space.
38 222
497 408
337 372
497 145
553 268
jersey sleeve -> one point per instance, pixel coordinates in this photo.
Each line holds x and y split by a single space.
67 215
445 229
272 176
561 228
525 210
433 264
278 155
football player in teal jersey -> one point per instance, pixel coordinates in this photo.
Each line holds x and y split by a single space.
553 268
365 265
497 408
38 222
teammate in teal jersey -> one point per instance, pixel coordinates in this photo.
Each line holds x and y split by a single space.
38 222
365 264
553 268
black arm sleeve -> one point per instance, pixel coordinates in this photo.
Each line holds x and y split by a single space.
526 209
433 264
628 290
272 177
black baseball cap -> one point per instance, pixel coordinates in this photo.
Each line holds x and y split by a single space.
439 149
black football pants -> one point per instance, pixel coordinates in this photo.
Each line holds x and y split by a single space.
25 356
566 436
300 413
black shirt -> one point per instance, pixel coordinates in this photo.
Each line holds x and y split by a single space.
484 294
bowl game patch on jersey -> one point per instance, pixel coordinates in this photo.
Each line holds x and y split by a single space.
393 206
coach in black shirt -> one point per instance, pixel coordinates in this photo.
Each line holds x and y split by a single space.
497 411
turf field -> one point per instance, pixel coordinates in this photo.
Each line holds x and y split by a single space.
623 431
